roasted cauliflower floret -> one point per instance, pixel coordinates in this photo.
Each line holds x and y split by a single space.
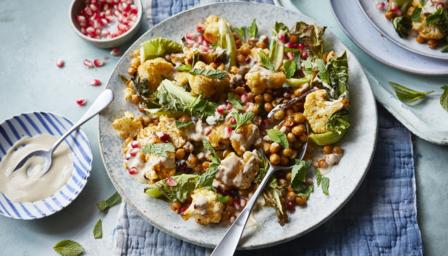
206 86
211 29
244 137
167 125
159 167
218 137
317 110
154 71
182 78
205 207
238 172
259 79
428 31
128 125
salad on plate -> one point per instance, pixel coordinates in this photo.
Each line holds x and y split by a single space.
202 139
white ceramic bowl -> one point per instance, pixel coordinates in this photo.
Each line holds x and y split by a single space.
75 9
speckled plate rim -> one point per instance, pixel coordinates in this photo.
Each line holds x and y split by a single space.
28 124
393 37
216 232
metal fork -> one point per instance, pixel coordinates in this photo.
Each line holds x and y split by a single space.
100 103
229 242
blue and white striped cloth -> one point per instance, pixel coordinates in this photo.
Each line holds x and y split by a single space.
381 219
30 125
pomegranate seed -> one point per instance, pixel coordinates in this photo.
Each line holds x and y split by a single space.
282 37
394 8
300 46
81 102
232 121
165 137
304 55
134 9
134 144
115 52
190 36
227 132
98 63
90 30
200 28
291 45
93 7
220 109
133 152
95 82
88 11
60 63
290 55
122 27
88 63
290 206
171 182
381 6
229 106
132 171
243 98
81 18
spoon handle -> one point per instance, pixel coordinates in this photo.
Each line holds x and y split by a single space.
229 242
101 102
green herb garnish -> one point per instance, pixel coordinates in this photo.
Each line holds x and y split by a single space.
290 67
184 68
416 14
236 103
68 248
159 149
298 174
178 189
218 74
323 182
104 205
402 25
279 137
223 199
444 97
407 95
252 30
265 61
98 230
180 124
242 119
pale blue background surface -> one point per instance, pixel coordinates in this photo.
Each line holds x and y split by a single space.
34 34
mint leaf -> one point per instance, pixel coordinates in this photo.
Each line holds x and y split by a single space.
265 61
242 119
416 14
68 248
218 74
279 137
298 174
159 149
104 205
290 67
325 184
223 199
444 97
179 190
241 32
180 124
98 230
184 68
236 103
323 72
252 30
407 95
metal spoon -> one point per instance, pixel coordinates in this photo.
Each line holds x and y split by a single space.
100 103
229 242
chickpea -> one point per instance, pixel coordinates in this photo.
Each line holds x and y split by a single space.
258 99
327 149
275 159
291 137
146 120
135 99
239 90
322 163
300 200
266 147
135 62
389 15
268 107
420 39
338 150
293 39
433 43
284 161
192 160
289 122
288 178
250 96
279 115
175 206
303 138
180 153
205 165
226 152
274 148
299 118
288 152
184 118
132 71
291 196
297 92
267 97
298 129
261 45
256 110
234 70
241 59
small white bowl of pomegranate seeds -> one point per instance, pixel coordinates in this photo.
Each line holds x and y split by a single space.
106 23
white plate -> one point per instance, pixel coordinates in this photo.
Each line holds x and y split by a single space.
385 27
345 178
